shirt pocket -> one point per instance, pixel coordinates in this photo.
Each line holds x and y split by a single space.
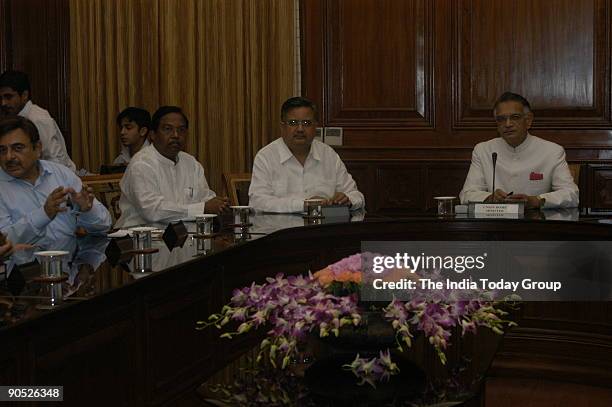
189 194
537 187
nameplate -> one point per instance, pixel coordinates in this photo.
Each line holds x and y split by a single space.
119 249
497 210
175 235
336 211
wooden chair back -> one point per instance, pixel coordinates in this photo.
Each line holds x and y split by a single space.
106 189
237 186
575 171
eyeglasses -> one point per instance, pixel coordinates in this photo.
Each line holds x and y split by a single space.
514 118
296 123
169 130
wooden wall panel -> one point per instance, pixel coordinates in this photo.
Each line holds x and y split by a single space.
36 41
444 179
557 57
601 186
369 65
372 81
398 186
4 36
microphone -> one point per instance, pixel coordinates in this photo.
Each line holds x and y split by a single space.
494 158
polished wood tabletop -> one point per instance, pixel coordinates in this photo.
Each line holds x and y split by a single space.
120 316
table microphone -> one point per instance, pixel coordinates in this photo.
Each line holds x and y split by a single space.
494 158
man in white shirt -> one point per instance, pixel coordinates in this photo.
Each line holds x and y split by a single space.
527 168
162 183
134 124
296 167
15 93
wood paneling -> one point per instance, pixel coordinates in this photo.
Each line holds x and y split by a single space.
4 36
36 41
393 67
399 186
600 186
557 57
415 80
364 91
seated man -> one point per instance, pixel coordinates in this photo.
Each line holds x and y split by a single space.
296 167
528 168
163 183
134 124
41 199
15 94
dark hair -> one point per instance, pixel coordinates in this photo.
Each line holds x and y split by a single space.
512 97
295 102
16 80
17 122
164 110
137 115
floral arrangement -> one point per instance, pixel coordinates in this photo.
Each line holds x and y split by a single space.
297 306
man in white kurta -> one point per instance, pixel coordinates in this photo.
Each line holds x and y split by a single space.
54 145
162 183
296 167
15 94
528 168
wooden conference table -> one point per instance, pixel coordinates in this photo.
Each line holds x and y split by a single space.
125 338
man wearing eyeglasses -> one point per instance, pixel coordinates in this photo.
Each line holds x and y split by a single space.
296 167
527 169
163 183
40 199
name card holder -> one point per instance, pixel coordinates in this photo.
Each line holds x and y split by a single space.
175 235
336 213
513 210
119 249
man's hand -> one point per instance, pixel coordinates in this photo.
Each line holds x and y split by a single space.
340 199
531 202
6 249
84 198
324 201
498 196
216 205
54 202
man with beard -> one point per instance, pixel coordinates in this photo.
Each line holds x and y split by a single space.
528 168
162 182
15 94
41 200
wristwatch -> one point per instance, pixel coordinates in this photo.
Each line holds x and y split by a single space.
542 200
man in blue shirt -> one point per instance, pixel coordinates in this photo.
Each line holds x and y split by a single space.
41 200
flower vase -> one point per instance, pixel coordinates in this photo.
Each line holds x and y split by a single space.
332 384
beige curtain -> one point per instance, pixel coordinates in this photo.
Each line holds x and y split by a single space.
228 63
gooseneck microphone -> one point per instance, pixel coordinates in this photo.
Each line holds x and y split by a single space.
494 158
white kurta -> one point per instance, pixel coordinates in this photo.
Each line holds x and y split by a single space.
536 167
280 183
156 190
51 138
124 157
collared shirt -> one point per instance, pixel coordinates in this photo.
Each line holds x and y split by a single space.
51 138
22 213
280 183
156 190
535 167
124 157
